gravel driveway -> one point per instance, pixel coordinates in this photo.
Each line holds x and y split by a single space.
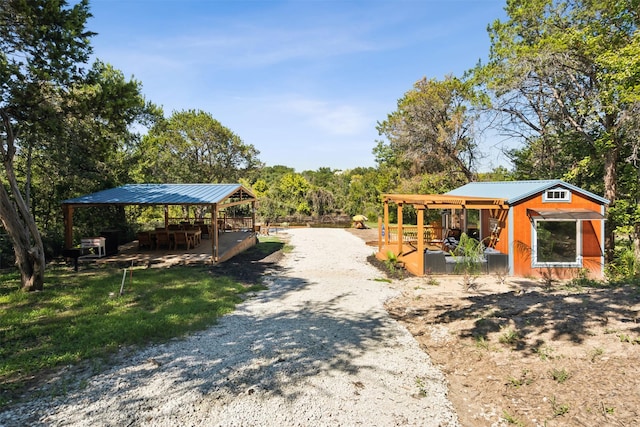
316 349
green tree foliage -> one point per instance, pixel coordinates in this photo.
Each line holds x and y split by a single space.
364 188
321 201
566 78
42 45
283 196
90 152
499 173
67 130
273 174
292 190
431 132
192 146
284 193
325 191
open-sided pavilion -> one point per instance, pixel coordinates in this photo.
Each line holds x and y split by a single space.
215 197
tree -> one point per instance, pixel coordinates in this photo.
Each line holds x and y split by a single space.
499 173
321 200
292 190
431 132
91 152
567 73
192 146
42 44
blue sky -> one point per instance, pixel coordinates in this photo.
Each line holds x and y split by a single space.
304 81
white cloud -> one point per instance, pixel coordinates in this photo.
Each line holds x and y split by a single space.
331 118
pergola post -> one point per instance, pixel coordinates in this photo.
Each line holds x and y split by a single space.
166 216
400 230
253 216
386 223
380 236
421 236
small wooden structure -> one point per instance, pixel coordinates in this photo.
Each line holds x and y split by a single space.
216 197
531 228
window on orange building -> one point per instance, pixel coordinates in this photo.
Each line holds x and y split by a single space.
555 243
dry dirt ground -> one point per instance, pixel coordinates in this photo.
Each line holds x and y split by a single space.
518 354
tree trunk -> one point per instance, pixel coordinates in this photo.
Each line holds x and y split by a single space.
610 190
18 221
29 258
636 240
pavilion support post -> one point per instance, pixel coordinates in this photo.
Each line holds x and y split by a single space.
421 236
400 230
166 216
68 226
214 238
253 216
463 220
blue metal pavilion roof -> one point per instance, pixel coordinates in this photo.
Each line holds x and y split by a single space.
164 194
515 191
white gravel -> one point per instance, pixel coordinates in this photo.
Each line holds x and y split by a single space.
316 349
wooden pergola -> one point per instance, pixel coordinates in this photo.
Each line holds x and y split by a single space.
412 255
214 196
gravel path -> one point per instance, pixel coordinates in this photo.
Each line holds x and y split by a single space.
315 349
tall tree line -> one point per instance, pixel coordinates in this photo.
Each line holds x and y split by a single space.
562 79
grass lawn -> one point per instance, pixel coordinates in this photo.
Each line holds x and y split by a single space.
81 316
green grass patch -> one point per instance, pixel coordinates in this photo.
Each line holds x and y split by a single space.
81 316
560 375
267 245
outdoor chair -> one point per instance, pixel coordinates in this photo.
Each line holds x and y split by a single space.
162 240
204 228
181 239
144 240
451 239
194 234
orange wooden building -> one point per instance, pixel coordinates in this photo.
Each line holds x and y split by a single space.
530 229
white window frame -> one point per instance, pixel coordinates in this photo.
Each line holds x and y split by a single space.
534 246
553 191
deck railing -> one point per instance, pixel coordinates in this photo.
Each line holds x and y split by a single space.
224 223
238 223
431 234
